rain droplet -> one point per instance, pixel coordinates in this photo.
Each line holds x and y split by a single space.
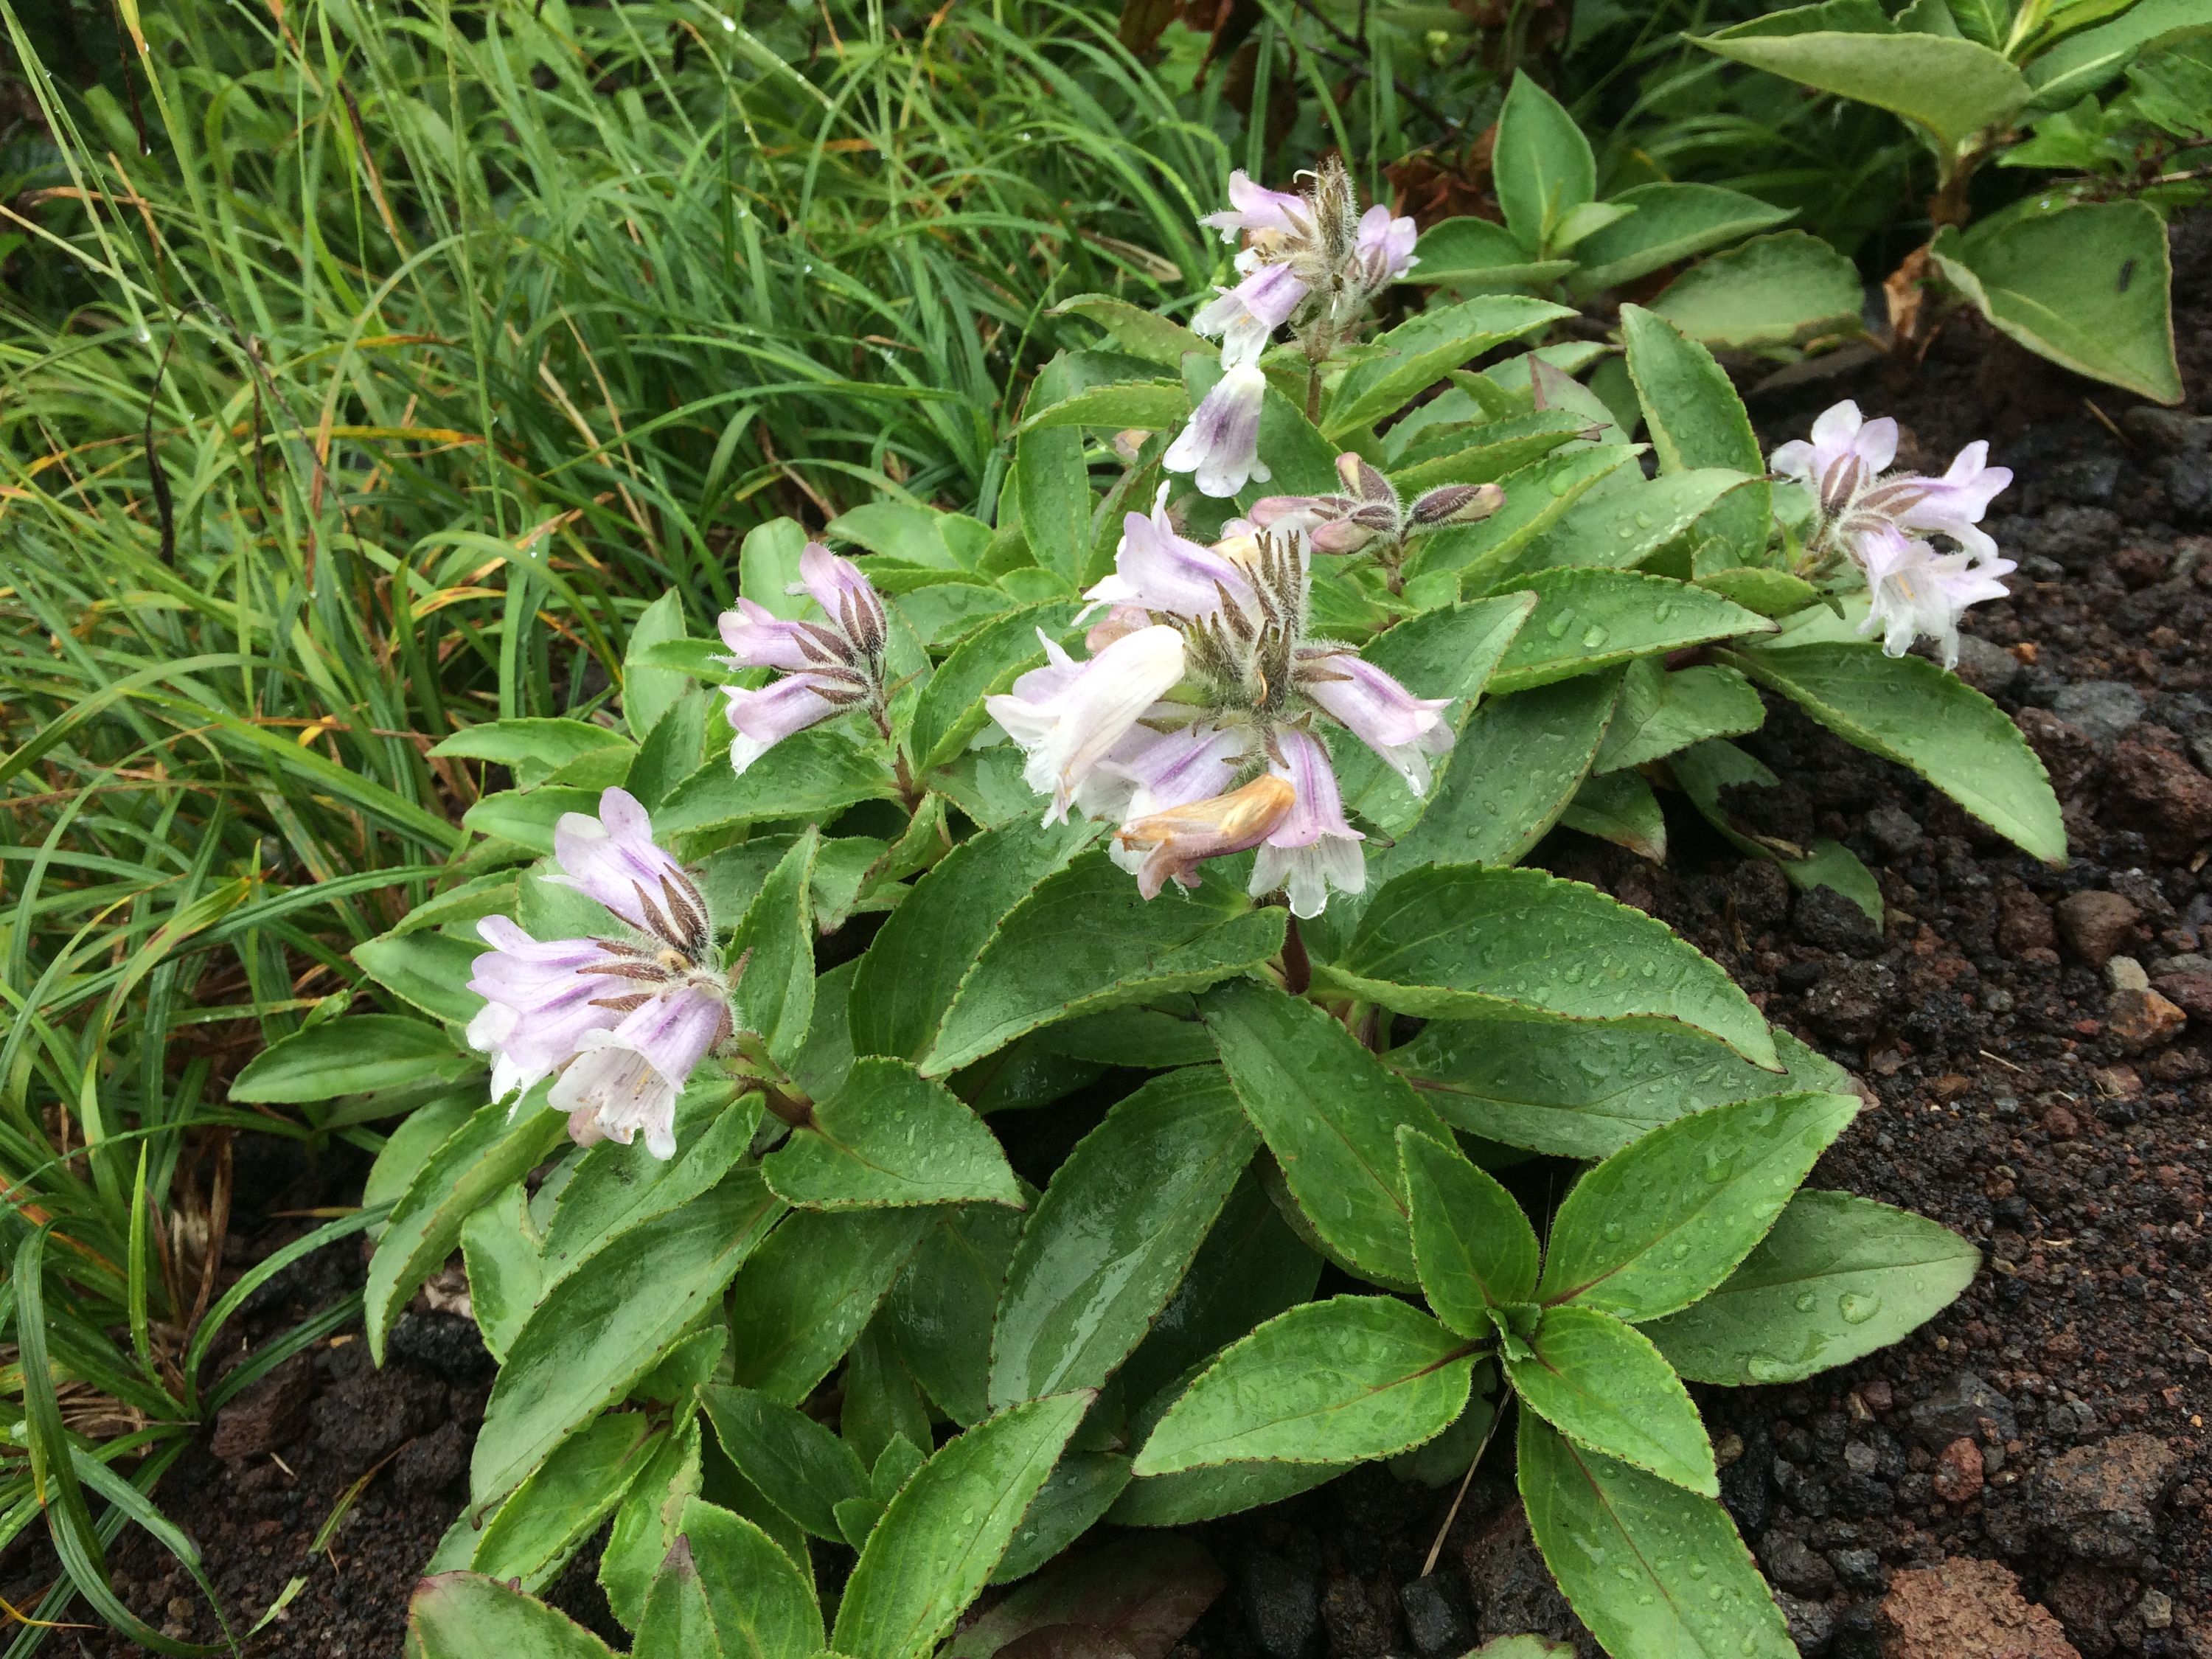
1857 1307
1592 637
1765 1369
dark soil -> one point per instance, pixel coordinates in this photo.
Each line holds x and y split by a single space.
2021 1084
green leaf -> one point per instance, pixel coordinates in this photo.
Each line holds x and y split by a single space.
882 1402
1418 351
1541 165
1443 1462
1908 710
1215 1490
1536 498
1661 712
352 1056
506 1272
554 1513
1053 484
1143 1038
726 1581
532 748
1770 593
1139 333
428 970
1330 1114
1082 1487
799 1465
1648 1567
495 1147
2086 61
649 692
1604 1386
1461 941
1620 807
645 1524
1665 1219
2085 285
1026 977
1671 222
1778 289
806 1295
526 816
1476 255
1530 753
1695 419
465 1615
941 1309
1953 88
1145 405
889 1137
1586 1090
1114 1233
1337 1381
1476 1249
597 1333
1586 620
918 959
941 1536
774 994
1839 1277
1620 528
950 709
1145 1592
1489 451
812 774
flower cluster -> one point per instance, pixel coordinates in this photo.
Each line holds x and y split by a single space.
1194 722
1368 514
1310 261
623 1022
1872 516
828 666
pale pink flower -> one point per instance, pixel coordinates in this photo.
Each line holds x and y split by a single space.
625 1079
1313 849
1221 444
1254 208
1403 729
1157 569
1068 716
830 666
1170 844
1915 591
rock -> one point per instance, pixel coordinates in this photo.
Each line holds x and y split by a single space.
1859 1570
1512 1589
2141 1020
270 1414
2155 1610
1432 1622
1847 1000
1357 1628
1282 1606
1957 1411
1895 831
374 1412
2060 1125
2093 924
448 1344
1812 1626
2097 1501
2023 920
2142 567
1966 1609
2088 1602
1990 669
1958 1476
2100 709
1822 916
2152 786
1761 892
2190 992
2188 486
429 1464
2126 974
2067 752
2170 430
1790 1563
2074 537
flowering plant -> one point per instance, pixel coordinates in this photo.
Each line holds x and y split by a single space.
1197 821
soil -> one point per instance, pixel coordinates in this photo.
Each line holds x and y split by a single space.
2029 1474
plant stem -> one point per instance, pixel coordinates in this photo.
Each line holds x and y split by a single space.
1297 967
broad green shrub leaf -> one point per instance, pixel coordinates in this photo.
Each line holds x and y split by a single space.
1082 1487
1143 1038
674 750
940 1311
727 1584
599 1331
1667 1218
1776 289
1839 1277
613 1187
1443 1462
532 748
1671 222
349 1056
1461 941
417 1135
1661 712
1603 1385
465 1615
732 878
1951 87
1418 351
551 1515
1487 452
1908 710
1586 620
889 1137
1027 977
527 816
774 994
428 970
1530 753
913 536
1620 528
799 1465
1475 254
1145 1592
1446 652
2086 285
1695 419
1770 592
648 693
1648 1567
1586 1090
939 1539
1476 1248
492 895
809 1291
882 1400
950 709
813 773
2085 61
1620 807
1145 405
917 960
767 568
1139 333
1330 1113
1537 497
645 1525
507 1272
1215 1490
1347 1379
1114 1233
1541 165
1053 484
497 1145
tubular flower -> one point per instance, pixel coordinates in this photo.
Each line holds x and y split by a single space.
1221 755
1870 514
623 1022
1221 445
828 666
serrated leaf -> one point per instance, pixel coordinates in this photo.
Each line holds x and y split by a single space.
1671 222
1476 255
940 1311
1412 356
2084 62
950 709
428 969
806 1295
644 1527
1604 1386
1142 333
533 749
649 692
1476 1248
1217 1489
1839 1277
1143 1592
1662 713
797 1465
1776 289
1667 1218
811 775
507 1273
554 1512
1541 165
1486 453
1082 1487
1586 620
773 996
348 1056
1346 1379
753 1599
1695 419
1620 807
465 1615
1143 405
889 1137
1620 528
1537 497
